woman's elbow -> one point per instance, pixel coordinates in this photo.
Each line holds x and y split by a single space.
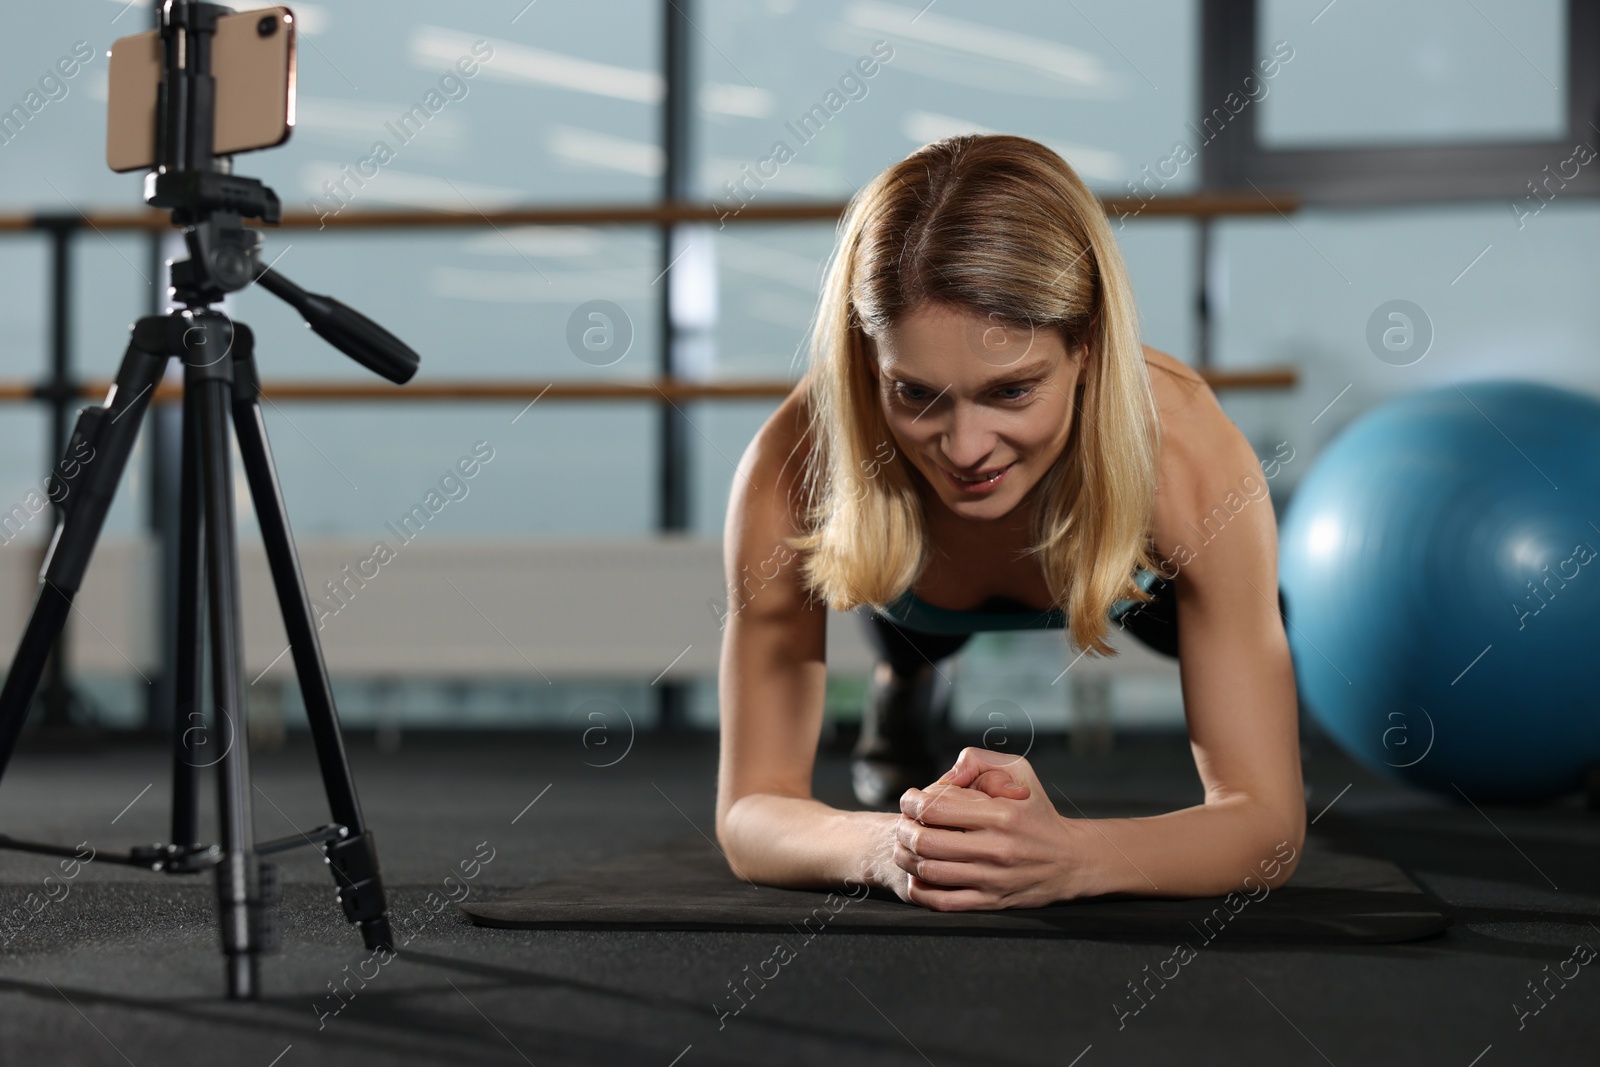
725 820
1280 848
732 814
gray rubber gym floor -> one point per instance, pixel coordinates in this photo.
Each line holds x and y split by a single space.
125 969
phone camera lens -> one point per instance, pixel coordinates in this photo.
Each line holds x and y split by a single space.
267 26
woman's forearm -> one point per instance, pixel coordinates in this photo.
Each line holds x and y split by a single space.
1206 850
802 843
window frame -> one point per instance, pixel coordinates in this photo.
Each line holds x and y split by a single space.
1371 175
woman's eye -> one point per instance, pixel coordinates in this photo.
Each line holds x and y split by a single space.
916 394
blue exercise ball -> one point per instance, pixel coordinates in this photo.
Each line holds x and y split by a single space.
1439 568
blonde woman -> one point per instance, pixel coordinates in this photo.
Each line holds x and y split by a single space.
980 441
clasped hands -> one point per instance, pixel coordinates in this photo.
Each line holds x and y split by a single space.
984 836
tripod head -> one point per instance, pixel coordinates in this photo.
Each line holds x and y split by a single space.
211 203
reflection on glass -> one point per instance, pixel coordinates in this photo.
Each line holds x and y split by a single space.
1366 72
402 104
812 100
563 469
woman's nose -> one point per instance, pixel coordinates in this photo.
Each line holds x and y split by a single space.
966 441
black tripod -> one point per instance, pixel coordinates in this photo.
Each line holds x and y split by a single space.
219 381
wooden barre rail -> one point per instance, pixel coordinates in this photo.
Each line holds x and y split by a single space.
657 390
1204 205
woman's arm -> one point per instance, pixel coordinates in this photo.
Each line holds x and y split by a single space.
999 842
1239 699
771 685
1214 523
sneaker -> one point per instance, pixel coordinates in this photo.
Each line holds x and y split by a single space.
895 752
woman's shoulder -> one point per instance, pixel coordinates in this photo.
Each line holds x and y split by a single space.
1204 454
1188 408
772 472
1176 385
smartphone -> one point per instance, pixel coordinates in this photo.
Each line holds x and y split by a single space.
253 61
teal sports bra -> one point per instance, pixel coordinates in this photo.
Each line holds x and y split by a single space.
916 614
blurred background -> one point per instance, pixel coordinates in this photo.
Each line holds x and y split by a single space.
618 228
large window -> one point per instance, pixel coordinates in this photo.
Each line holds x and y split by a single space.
1361 101
1369 73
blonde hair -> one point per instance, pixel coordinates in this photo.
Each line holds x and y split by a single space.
1003 227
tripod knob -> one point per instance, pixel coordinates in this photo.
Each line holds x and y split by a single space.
265 923
271 889
263 920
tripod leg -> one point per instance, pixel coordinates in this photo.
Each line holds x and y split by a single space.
85 480
188 734
354 858
238 886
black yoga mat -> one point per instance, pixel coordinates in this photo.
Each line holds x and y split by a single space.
1334 896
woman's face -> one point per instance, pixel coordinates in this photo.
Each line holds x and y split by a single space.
980 409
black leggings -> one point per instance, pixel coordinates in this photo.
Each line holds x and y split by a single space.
1154 623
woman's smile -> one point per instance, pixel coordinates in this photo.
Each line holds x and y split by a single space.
978 484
